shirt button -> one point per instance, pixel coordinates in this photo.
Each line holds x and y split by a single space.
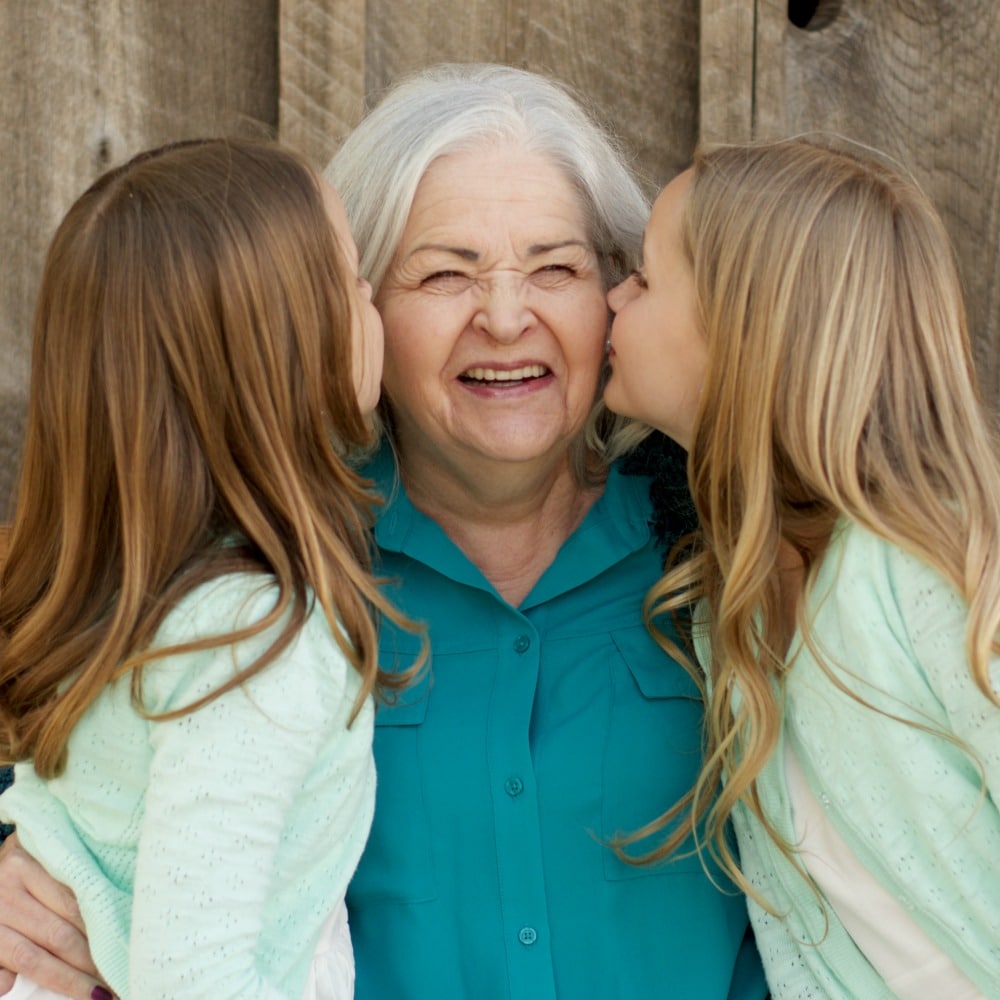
521 644
513 786
527 935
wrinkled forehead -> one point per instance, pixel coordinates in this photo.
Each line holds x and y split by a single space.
497 187
494 187
483 163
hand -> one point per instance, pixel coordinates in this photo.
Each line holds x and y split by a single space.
41 931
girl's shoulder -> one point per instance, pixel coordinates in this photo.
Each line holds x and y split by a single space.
227 608
871 588
223 604
862 554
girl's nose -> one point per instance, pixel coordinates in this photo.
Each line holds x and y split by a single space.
621 294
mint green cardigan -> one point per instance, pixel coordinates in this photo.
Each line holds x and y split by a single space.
207 851
910 804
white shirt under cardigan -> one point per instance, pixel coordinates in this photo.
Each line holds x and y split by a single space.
902 953
908 805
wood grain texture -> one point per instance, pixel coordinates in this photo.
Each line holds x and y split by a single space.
406 35
727 70
634 64
321 61
84 85
918 79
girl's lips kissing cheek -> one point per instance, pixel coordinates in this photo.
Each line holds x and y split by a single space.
504 379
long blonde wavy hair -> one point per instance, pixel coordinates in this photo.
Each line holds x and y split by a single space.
191 401
840 382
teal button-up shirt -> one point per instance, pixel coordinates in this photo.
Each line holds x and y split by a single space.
538 733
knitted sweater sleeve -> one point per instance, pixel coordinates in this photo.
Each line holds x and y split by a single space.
223 782
789 940
935 617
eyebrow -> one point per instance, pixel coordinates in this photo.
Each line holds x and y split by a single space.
535 250
470 255
539 248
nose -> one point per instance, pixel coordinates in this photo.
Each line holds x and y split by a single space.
621 294
504 313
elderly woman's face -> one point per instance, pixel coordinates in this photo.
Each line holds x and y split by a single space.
494 311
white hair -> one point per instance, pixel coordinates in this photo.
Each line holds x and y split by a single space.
453 108
456 107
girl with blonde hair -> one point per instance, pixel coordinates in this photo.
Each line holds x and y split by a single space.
187 647
798 326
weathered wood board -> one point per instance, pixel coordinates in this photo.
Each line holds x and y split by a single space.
918 79
85 84
636 63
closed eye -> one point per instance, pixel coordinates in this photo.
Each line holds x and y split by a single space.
446 279
639 278
553 275
444 274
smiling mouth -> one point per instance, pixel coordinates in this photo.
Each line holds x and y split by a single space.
507 376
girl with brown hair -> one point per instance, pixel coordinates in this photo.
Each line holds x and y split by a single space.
187 643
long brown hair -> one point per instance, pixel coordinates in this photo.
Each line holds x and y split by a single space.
840 383
191 401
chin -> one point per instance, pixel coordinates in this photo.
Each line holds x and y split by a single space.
524 446
622 410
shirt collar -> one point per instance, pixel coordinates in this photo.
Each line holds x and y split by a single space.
617 525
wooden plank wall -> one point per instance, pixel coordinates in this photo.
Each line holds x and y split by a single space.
915 78
636 61
86 83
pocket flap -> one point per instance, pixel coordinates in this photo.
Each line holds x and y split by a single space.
655 673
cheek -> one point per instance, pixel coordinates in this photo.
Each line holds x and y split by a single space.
411 366
585 370
587 327
393 369
630 339
392 362
403 345
377 349
647 323
422 329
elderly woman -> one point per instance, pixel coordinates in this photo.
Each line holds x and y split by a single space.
493 216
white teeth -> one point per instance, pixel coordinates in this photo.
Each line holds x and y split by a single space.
505 375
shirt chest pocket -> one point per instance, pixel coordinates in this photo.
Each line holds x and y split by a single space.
653 751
